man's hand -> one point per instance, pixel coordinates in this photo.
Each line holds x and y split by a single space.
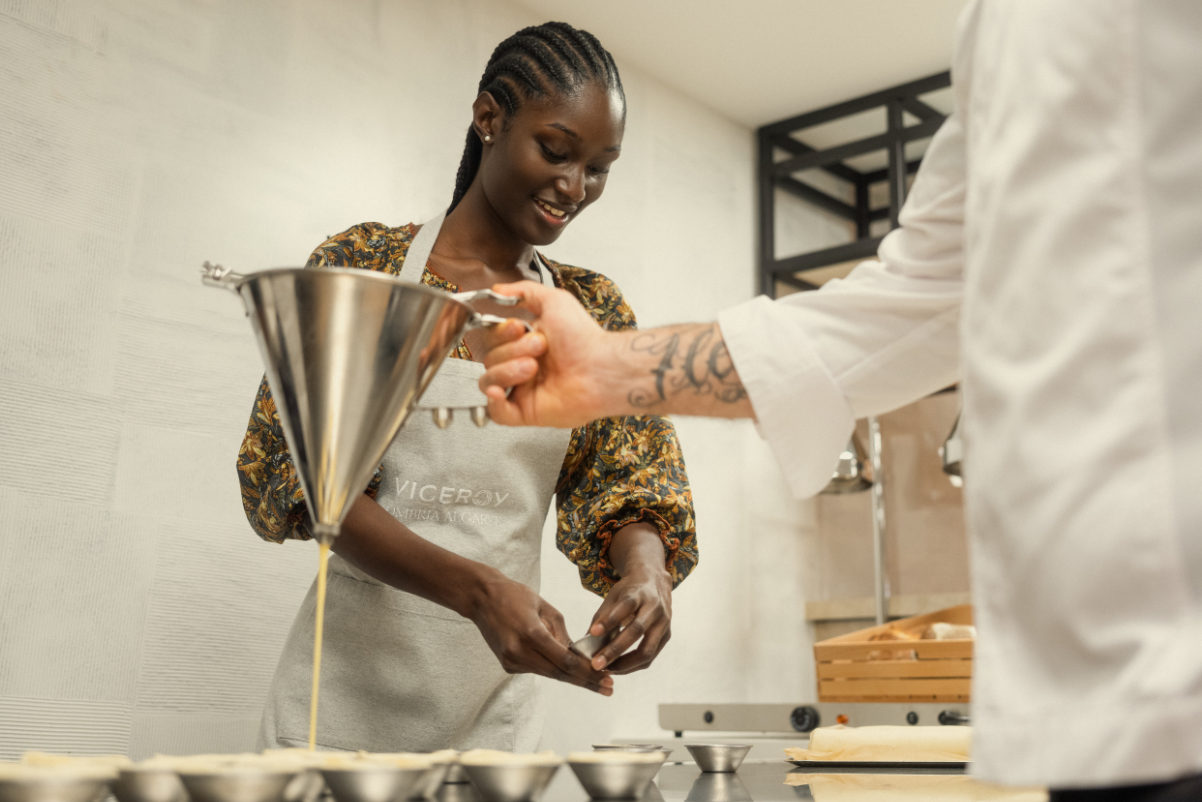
570 371
556 372
528 636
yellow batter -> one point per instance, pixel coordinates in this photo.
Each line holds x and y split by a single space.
323 555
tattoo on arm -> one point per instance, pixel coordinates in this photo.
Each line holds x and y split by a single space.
689 359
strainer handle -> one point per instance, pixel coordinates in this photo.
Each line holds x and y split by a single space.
215 275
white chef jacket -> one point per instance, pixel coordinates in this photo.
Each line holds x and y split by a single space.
1050 259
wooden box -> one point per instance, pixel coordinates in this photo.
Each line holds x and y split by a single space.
854 668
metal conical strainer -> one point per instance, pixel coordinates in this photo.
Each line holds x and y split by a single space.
348 354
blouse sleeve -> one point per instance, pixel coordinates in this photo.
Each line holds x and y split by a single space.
620 471
271 492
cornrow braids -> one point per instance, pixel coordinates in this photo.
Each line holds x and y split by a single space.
533 63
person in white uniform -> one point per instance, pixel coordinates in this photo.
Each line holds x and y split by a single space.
1050 260
434 626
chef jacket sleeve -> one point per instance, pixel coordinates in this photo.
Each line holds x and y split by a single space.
888 334
620 471
271 492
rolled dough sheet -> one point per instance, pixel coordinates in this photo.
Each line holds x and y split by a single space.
887 743
909 788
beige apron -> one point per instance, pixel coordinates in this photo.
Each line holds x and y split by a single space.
400 673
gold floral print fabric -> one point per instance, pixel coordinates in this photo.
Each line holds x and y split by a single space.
617 471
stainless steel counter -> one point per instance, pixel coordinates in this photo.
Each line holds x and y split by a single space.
755 781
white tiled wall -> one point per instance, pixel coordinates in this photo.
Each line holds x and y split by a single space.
138 612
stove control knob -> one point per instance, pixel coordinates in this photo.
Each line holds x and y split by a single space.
804 719
953 717
911 718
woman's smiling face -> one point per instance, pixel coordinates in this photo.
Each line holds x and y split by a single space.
549 161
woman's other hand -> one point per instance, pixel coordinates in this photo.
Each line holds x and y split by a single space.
528 636
640 603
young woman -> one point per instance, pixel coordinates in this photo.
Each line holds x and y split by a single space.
434 626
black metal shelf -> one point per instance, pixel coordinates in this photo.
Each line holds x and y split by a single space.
773 175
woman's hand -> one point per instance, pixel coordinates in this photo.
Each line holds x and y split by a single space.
525 632
640 602
528 636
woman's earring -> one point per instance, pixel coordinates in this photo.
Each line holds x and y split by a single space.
487 138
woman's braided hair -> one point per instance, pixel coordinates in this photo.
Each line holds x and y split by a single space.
533 63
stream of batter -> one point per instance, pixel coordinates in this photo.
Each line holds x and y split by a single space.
323 555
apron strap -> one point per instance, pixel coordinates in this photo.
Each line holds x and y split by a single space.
420 250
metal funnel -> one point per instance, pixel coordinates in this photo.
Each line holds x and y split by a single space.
348 354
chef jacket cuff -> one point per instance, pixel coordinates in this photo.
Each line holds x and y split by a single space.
799 408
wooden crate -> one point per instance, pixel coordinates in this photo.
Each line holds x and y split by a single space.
852 668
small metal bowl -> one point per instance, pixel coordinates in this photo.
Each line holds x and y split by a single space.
511 782
455 775
616 778
718 757
459 792
431 780
148 785
237 785
633 748
715 787
588 646
306 787
373 782
52 787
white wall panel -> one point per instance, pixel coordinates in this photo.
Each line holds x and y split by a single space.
59 442
219 610
62 275
191 734
139 138
65 726
73 585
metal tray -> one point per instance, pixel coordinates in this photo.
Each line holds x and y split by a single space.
826 765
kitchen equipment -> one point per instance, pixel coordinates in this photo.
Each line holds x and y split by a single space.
718 757
373 782
460 792
861 666
348 354
48 786
433 778
718 787
159 784
950 453
788 718
849 471
455 775
633 748
238 784
589 645
511 782
615 774
306 787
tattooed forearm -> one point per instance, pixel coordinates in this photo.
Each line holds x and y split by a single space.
686 360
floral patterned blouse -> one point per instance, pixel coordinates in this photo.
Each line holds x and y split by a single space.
617 471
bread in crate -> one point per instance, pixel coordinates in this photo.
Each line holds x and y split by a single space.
925 658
